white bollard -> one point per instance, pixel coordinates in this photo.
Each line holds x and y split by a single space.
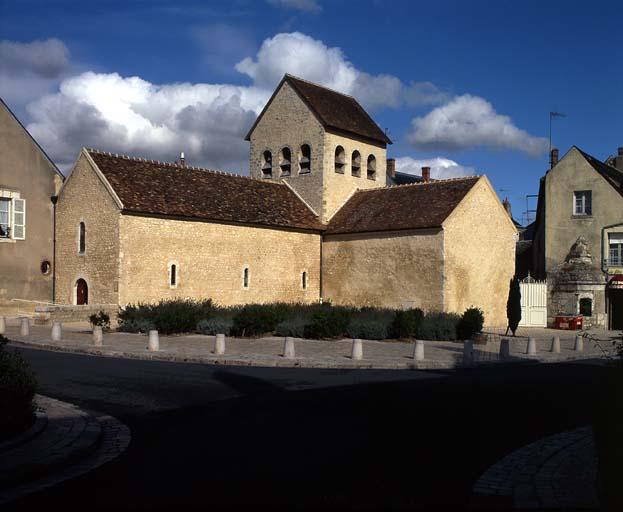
555 345
579 343
154 341
418 351
288 348
357 352
98 335
505 348
24 326
2 325
468 352
531 347
57 331
219 344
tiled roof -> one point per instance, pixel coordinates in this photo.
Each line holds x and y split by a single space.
415 206
403 178
611 174
334 110
160 188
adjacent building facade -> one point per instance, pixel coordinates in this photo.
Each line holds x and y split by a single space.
578 240
315 221
29 181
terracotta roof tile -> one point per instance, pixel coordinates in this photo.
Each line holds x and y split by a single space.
413 206
150 187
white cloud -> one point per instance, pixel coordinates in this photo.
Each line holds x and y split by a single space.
467 122
28 70
305 57
440 168
301 5
206 121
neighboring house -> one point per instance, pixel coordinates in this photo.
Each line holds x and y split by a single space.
315 221
28 181
578 237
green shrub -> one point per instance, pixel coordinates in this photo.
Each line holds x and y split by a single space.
438 326
406 323
100 319
513 305
168 316
136 325
471 323
328 322
17 390
256 319
368 328
294 327
217 325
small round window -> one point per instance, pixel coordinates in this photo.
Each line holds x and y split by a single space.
46 266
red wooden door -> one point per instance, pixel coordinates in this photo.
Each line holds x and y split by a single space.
82 292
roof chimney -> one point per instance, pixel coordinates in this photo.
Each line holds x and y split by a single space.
507 206
182 160
425 173
391 167
553 158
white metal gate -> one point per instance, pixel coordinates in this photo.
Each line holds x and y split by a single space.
533 303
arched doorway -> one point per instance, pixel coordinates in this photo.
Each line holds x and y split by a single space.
82 292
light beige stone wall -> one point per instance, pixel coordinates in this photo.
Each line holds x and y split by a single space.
288 122
26 173
562 227
337 188
390 269
479 255
84 198
210 259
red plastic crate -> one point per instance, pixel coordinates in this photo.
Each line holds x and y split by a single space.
569 322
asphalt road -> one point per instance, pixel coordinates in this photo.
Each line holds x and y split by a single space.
249 438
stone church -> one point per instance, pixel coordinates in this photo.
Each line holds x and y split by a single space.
315 220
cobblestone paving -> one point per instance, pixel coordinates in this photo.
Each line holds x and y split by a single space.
72 443
556 472
312 353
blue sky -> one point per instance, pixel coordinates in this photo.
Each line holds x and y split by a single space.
466 82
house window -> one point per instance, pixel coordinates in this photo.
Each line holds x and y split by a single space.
304 280
5 215
82 238
13 218
355 164
582 202
267 164
586 307
305 159
615 249
340 160
173 275
371 168
46 266
245 277
285 161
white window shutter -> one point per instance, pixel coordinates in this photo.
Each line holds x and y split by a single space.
19 219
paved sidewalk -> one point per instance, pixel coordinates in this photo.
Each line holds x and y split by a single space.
557 472
309 353
64 442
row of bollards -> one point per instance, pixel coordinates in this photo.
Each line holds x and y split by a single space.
531 348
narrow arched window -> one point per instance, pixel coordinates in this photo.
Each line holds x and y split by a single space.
285 161
371 167
245 277
304 280
305 159
173 275
267 164
586 306
340 159
82 238
355 164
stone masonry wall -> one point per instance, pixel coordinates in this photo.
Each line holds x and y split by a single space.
288 122
337 188
480 255
391 269
84 198
210 260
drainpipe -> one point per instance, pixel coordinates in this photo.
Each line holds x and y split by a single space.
54 200
320 279
603 249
